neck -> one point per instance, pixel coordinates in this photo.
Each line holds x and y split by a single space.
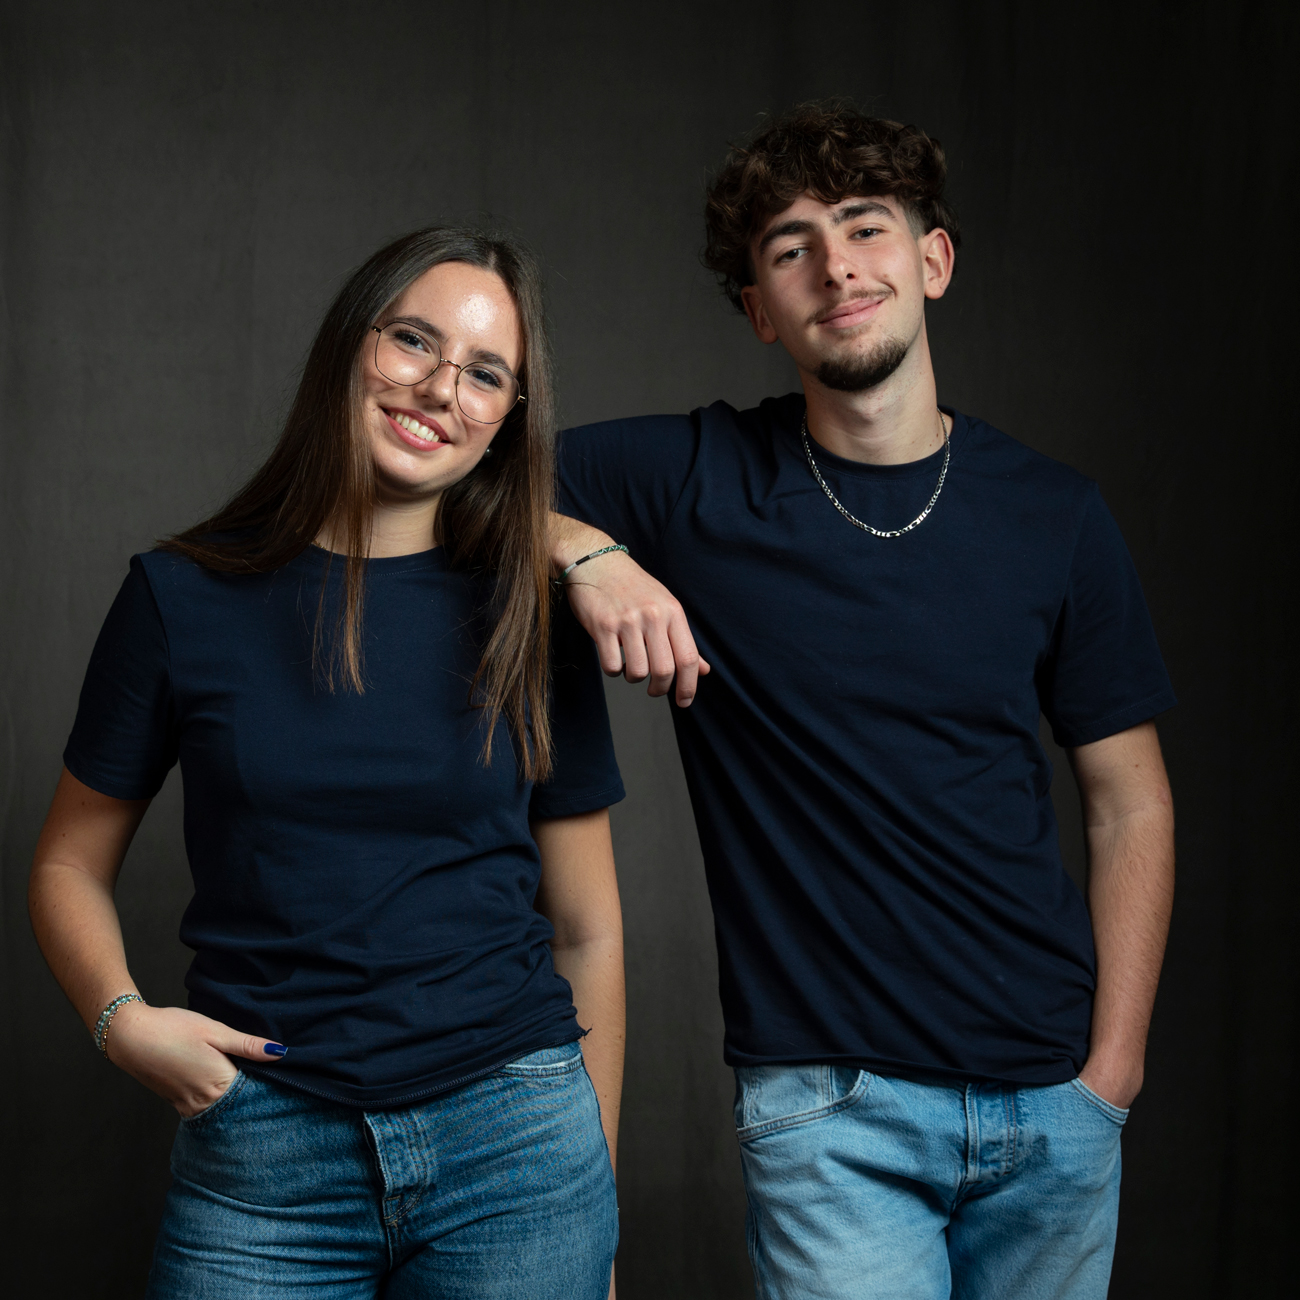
891 424
396 528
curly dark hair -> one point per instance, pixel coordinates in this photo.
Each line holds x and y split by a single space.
828 149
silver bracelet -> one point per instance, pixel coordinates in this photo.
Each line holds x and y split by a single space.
105 1021
604 550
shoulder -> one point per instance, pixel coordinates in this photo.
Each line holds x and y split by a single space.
180 582
1024 474
719 419
633 426
161 565
172 572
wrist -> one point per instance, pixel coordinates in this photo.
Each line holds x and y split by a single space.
112 1008
1115 1075
612 549
570 540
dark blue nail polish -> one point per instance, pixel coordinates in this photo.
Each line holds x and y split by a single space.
275 1049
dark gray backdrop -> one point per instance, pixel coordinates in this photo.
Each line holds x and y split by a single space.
183 188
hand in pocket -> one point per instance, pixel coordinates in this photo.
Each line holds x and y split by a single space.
182 1056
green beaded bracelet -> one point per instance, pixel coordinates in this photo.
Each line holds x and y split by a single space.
604 550
106 1018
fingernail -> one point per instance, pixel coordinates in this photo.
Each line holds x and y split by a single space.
275 1049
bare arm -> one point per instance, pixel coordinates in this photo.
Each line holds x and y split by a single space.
182 1056
1129 820
578 894
638 625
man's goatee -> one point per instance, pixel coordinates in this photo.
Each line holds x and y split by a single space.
857 374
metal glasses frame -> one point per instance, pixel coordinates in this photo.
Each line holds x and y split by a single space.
443 361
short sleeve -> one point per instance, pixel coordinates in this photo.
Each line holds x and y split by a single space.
586 775
124 741
626 476
1105 672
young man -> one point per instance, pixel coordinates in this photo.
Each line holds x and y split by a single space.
935 1044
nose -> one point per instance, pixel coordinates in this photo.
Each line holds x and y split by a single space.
440 386
836 268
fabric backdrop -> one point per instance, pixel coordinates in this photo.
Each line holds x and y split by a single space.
183 187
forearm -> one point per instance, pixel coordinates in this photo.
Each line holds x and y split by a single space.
1130 893
571 540
594 970
77 927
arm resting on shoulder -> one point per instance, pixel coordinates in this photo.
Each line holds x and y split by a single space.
639 627
182 1056
1128 815
578 894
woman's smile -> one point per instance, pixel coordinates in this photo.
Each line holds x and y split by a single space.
415 428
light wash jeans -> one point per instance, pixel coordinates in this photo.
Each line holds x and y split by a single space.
867 1187
501 1188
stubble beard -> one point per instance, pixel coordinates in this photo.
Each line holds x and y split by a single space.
856 374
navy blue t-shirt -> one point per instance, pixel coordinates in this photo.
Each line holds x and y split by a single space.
871 795
363 884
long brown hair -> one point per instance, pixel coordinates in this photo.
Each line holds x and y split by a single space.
493 521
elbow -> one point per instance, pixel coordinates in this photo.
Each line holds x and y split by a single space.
588 934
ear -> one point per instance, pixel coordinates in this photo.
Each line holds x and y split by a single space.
937 257
753 304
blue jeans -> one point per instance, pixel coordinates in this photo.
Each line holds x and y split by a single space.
501 1188
866 1187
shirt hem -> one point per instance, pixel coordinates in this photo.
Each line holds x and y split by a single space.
390 1101
572 806
1113 723
104 786
1060 1071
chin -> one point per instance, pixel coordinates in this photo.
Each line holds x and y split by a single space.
857 370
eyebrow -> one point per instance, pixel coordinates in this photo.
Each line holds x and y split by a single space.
479 354
799 226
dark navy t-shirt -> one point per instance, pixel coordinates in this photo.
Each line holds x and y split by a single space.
871 795
363 884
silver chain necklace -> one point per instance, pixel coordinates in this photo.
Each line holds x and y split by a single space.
857 523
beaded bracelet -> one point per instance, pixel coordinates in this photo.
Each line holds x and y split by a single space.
105 1020
604 550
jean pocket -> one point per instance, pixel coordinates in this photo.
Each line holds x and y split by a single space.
208 1113
770 1098
1116 1114
548 1063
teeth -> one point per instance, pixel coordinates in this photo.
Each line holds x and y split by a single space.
415 427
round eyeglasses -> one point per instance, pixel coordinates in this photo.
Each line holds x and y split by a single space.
485 392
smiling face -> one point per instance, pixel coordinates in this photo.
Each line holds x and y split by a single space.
843 286
420 439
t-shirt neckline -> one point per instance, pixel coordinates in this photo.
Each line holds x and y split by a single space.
318 558
930 464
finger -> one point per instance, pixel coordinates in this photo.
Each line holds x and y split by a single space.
249 1046
662 666
636 661
610 653
686 658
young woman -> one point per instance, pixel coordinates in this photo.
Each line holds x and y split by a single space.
397 767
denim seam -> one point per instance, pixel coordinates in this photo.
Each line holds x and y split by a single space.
1112 1113
195 1122
855 1094
411 1199
555 1071
405 1201
1013 1131
973 1135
